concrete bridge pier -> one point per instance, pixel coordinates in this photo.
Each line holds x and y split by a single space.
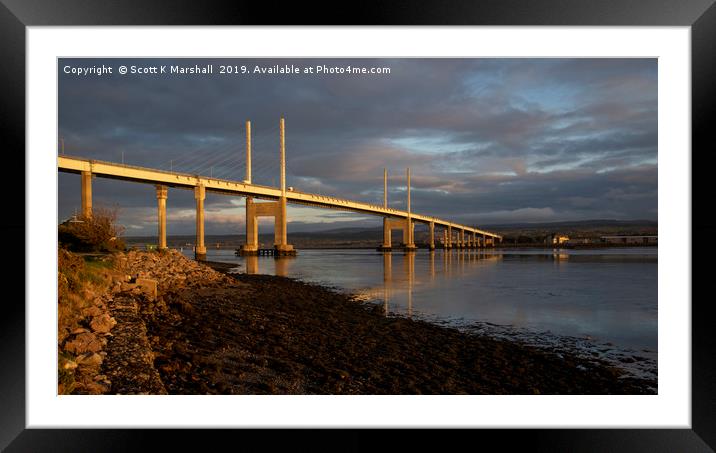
397 224
431 240
86 194
474 240
448 235
200 249
162 217
408 242
252 230
275 209
387 245
461 239
280 237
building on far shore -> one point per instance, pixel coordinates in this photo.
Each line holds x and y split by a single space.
630 239
557 239
580 241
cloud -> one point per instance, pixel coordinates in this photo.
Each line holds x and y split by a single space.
483 137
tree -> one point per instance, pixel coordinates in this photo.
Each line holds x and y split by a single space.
96 233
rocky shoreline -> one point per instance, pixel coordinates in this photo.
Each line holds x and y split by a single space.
205 331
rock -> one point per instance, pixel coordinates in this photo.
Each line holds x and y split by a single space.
70 365
102 323
85 342
127 286
79 330
91 311
148 286
91 359
95 388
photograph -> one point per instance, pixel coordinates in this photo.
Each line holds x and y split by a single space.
361 226
441 220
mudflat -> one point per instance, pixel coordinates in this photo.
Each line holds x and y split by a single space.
263 334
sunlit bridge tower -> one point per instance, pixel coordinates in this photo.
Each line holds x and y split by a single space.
406 225
275 209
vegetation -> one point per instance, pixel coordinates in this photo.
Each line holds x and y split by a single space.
80 281
96 233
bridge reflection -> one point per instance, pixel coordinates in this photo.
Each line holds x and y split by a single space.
399 285
407 277
281 266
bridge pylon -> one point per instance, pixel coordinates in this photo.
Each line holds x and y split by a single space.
275 209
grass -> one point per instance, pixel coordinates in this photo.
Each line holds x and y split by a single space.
80 282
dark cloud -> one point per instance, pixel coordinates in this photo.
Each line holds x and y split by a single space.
488 140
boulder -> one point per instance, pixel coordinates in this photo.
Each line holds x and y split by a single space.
148 287
85 342
102 323
89 360
91 312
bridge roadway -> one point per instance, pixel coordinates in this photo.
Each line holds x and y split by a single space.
125 172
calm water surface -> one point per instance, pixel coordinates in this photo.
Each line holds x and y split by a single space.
605 295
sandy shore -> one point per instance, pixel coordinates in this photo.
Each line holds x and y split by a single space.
259 334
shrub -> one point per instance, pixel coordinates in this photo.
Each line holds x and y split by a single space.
96 233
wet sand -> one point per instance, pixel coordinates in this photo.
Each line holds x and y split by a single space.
275 335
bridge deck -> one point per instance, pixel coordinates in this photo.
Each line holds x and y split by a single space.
223 186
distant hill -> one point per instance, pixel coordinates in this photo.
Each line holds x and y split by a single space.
356 237
586 229
599 223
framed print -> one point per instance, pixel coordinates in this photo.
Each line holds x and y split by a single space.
488 296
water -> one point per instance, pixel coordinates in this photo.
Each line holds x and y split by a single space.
602 300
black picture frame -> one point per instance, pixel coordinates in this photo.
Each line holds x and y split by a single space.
700 15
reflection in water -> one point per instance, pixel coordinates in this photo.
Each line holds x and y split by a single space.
252 265
559 257
387 279
409 259
400 287
280 265
560 291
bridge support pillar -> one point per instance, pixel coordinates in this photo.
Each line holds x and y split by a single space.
251 247
162 217
431 239
474 240
280 237
461 239
409 231
397 224
86 194
275 209
387 237
200 248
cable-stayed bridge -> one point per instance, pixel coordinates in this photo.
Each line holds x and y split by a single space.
273 204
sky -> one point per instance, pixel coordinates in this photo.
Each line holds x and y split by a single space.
488 141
